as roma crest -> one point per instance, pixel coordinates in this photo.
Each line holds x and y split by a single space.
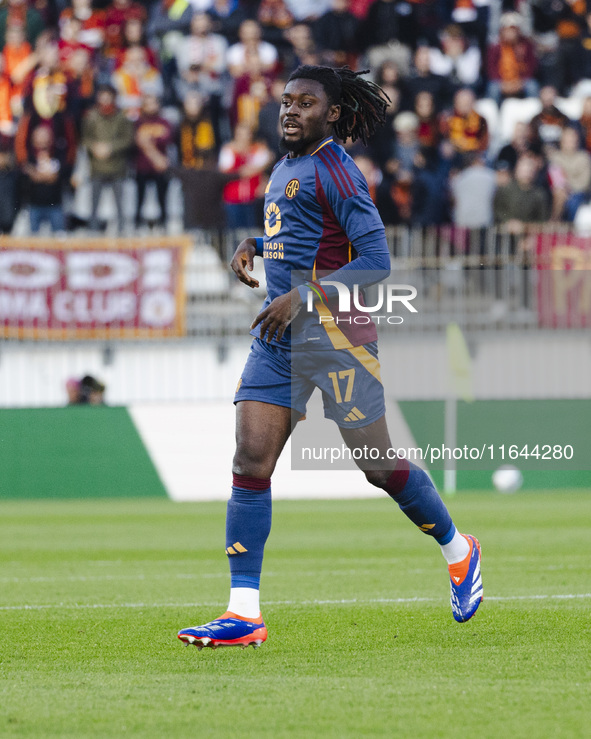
291 189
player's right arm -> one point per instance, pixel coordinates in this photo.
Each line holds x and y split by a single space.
243 261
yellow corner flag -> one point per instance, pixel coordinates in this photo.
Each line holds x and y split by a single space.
459 364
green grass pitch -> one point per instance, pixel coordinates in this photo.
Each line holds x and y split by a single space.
361 638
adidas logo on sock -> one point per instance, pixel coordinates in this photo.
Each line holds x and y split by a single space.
236 548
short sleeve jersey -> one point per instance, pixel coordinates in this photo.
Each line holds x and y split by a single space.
316 207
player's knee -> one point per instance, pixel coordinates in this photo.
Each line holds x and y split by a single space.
379 478
253 461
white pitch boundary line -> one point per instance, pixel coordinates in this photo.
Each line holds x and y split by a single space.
344 601
214 575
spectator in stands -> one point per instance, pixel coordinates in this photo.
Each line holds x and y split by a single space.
196 134
570 175
19 62
422 79
116 15
371 172
107 134
275 19
77 63
202 182
584 66
18 12
169 22
382 142
247 159
307 10
473 191
134 37
134 78
269 129
251 92
167 27
302 50
406 143
44 180
381 35
388 74
92 23
430 184
511 62
8 184
570 27
250 50
585 123
337 32
46 103
46 91
201 65
456 59
466 129
548 124
206 51
6 119
429 128
520 202
519 144
227 17
153 137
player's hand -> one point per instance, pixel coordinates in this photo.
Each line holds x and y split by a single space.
278 315
243 262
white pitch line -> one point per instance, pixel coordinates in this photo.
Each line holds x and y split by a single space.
343 601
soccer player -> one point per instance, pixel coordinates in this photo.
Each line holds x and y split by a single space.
318 217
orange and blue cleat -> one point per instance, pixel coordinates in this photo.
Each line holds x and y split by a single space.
229 630
466 583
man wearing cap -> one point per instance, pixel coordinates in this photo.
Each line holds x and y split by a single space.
511 62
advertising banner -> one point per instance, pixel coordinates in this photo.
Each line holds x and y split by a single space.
564 280
92 288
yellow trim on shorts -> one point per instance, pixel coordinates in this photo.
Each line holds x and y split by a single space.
340 341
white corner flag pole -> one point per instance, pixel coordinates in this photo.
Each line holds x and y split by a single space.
450 438
460 385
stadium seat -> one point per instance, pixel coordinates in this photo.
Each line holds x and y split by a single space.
489 110
572 107
204 274
515 111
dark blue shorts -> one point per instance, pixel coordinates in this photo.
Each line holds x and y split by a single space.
349 379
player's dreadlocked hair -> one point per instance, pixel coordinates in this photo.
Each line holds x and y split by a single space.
363 103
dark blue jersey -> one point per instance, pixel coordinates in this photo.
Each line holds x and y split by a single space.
318 216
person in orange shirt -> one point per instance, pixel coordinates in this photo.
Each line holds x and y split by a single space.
511 63
466 129
6 122
92 23
569 28
19 62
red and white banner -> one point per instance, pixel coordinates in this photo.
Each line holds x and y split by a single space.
92 288
564 280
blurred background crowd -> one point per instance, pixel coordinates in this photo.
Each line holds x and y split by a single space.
489 120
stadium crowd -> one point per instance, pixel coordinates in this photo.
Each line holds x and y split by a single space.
191 89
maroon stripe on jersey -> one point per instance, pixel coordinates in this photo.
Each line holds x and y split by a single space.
333 248
341 168
341 187
333 252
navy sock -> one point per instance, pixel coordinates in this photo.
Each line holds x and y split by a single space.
248 523
418 499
